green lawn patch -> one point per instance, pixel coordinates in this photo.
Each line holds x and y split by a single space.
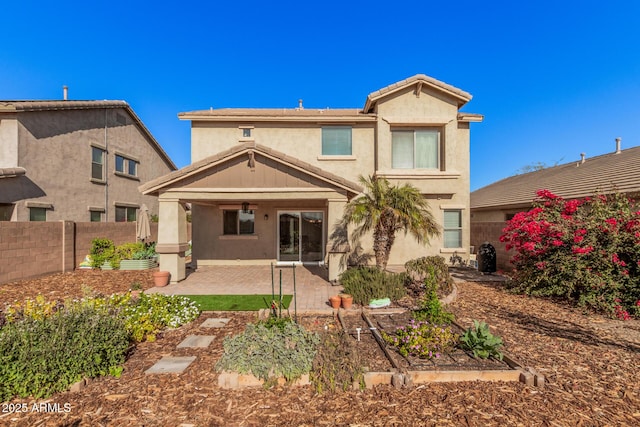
236 302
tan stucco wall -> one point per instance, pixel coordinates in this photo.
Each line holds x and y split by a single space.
209 243
302 141
8 142
447 188
494 215
55 149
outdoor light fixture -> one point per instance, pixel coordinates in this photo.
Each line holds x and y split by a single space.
266 217
245 207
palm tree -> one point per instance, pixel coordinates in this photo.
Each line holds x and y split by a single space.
387 209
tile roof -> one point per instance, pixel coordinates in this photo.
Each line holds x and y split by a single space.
40 105
159 183
605 173
463 96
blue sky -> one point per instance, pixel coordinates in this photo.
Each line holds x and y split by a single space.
552 78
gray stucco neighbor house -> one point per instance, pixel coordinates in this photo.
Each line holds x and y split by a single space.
76 160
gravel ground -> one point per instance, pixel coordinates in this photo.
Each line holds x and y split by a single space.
592 367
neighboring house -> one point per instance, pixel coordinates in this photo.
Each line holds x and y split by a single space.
75 160
270 185
496 203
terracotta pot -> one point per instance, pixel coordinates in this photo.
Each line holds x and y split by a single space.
335 301
161 278
347 301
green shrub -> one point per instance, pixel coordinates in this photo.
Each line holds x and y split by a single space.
584 251
338 363
101 251
430 309
150 313
367 283
431 269
286 350
422 339
481 341
148 251
41 357
35 309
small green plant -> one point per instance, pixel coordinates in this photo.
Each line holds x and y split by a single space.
147 251
37 309
367 283
431 309
136 286
422 339
101 251
481 341
432 269
152 312
268 351
338 364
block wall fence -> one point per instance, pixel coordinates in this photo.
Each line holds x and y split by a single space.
490 232
30 249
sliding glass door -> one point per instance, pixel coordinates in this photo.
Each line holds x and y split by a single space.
300 236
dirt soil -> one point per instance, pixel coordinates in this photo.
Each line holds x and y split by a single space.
592 367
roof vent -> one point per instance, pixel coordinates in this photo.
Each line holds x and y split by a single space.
300 107
618 140
65 92
582 157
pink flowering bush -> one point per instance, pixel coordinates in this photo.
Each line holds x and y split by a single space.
586 251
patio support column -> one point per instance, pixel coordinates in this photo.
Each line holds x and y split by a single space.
172 237
338 242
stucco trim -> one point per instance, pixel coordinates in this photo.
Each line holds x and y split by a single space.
126 205
171 248
44 205
96 209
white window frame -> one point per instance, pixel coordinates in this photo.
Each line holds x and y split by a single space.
437 131
457 229
335 128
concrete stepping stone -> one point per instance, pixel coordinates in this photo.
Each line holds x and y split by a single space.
171 365
216 322
196 341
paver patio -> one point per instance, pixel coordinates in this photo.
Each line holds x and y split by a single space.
312 288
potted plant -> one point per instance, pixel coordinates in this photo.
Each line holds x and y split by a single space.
335 301
161 278
142 259
346 300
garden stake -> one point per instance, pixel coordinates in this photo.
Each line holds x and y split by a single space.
280 306
295 299
273 296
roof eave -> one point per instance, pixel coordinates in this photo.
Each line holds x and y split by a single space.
203 117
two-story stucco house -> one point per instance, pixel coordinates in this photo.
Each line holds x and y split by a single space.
270 185
75 160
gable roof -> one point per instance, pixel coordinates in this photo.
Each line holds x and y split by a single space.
25 106
158 184
606 173
419 80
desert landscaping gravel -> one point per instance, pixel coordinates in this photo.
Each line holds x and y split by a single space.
591 365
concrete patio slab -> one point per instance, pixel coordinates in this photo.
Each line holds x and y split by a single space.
171 365
200 341
217 322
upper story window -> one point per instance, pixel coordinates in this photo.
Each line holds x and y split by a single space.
97 163
246 133
238 222
336 141
415 149
126 166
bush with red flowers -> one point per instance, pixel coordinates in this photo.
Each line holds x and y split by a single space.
584 250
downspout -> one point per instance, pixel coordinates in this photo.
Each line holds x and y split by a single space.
106 170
